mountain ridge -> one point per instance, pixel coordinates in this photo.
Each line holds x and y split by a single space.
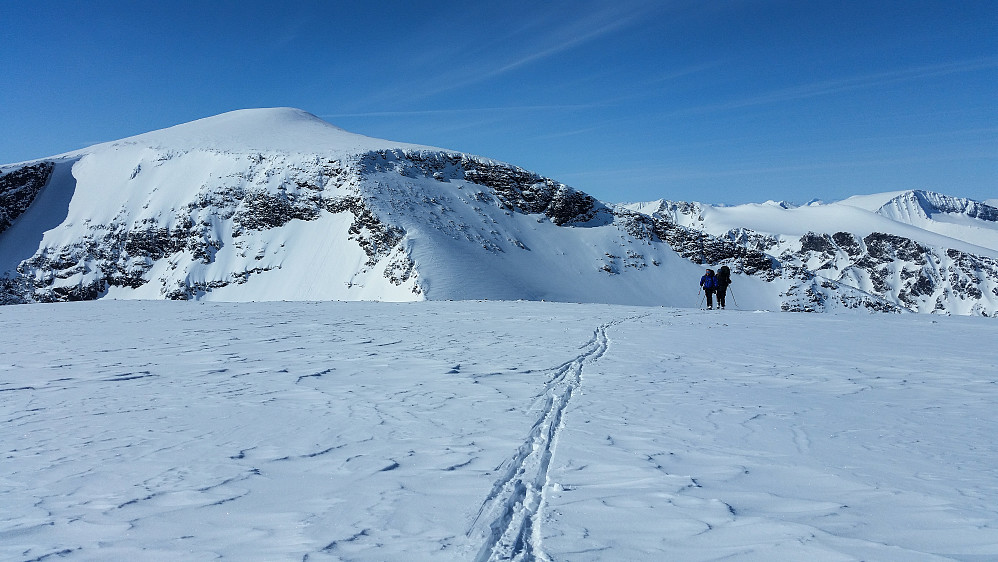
276 204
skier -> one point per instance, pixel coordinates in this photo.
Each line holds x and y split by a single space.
723 280
709 284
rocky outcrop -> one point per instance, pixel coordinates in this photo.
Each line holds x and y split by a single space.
18 189
514 188
695 245
907 274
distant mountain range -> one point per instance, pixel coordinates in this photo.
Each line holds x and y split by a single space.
276 204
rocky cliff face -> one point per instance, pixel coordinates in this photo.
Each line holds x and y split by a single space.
18 189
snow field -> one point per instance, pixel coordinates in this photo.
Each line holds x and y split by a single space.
771 436
493 430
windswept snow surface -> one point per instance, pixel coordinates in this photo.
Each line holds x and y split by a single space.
493 430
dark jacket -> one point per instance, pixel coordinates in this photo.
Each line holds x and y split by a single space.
708 282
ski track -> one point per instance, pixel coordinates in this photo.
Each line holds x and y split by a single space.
513 509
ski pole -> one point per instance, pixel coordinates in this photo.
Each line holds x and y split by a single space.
733 299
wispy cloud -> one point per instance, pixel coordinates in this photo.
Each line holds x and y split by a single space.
459 111
573 34
571 133
554 33
851 83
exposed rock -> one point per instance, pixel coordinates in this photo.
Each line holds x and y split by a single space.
18 189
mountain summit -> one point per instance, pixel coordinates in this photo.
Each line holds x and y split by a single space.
277 204
281 129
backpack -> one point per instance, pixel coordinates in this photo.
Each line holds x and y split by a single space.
724 276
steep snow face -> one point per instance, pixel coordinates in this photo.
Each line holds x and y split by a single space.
276 204
481 230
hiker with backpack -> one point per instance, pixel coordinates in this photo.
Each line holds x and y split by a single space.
709 284
723 279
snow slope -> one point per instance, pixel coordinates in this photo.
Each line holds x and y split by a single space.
489 431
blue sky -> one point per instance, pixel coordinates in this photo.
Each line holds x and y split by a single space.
715 101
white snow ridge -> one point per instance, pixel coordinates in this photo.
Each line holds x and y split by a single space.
162 415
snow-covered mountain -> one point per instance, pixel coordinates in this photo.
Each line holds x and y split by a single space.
276 204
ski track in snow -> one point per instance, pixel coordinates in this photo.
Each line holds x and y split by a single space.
514 506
